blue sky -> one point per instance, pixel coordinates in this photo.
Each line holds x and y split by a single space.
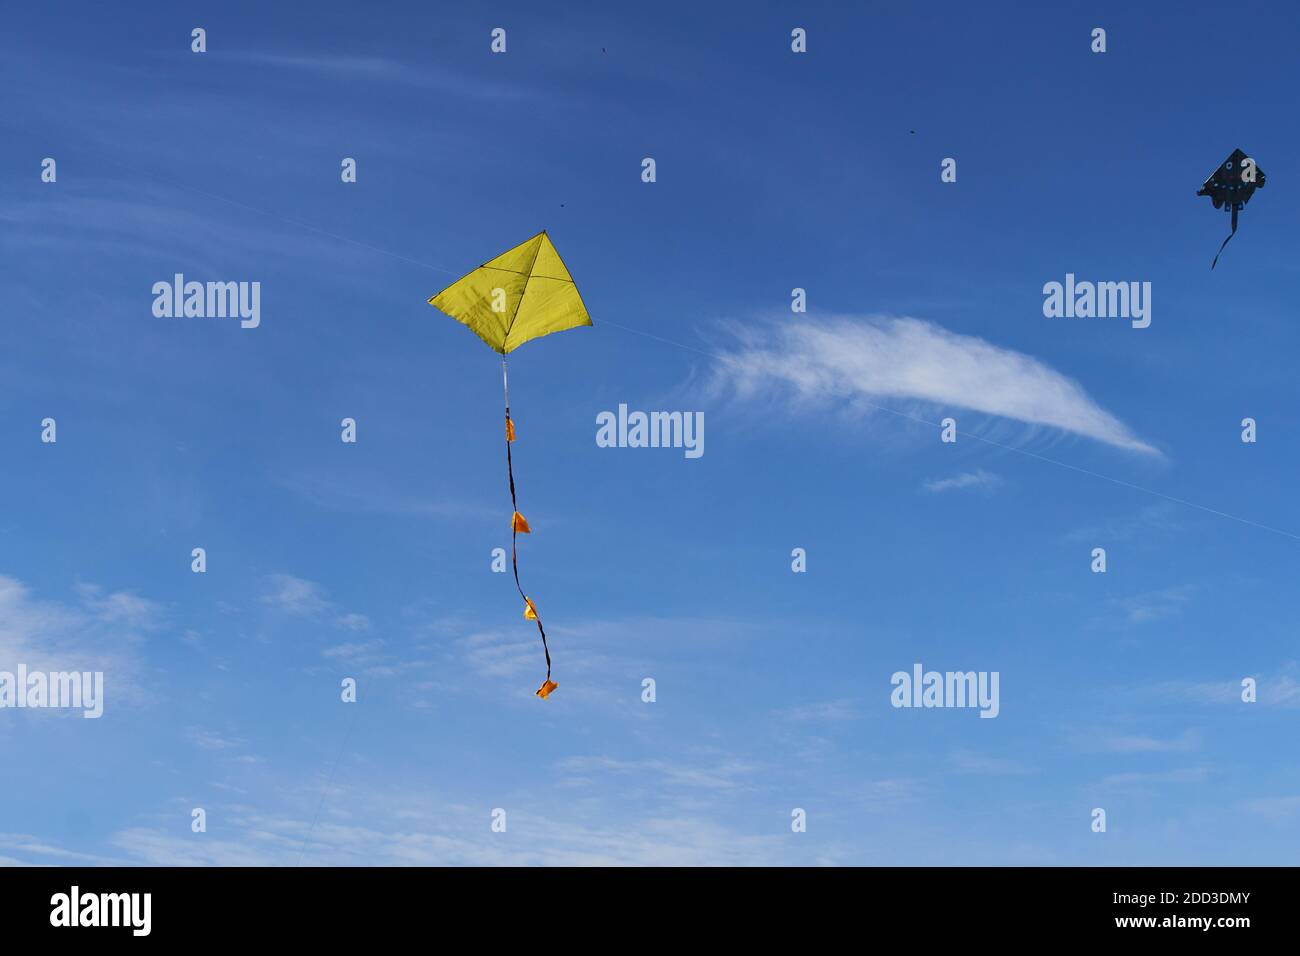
774 171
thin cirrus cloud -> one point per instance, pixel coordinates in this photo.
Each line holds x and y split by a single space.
104 632
979 478
1141 743
1277 690
301 598
904 358
384 70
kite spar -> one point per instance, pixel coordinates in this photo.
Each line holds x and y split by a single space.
522 294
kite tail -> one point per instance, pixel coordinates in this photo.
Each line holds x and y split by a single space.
518 524
1225 241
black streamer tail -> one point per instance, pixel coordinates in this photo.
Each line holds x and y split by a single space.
514 533
1225 241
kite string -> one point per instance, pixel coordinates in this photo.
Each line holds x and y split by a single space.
329 782
514 530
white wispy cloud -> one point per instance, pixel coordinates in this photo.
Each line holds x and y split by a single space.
365 492
398 825
981 479
725 774
1142 781
1279 690
294 595
1275 807
1161 519
264 840
888 794
302 598
356 652
118 606
966 761
212 740
123 222
39 852
384 70
1141 743
905 358
1282 691
102 632
496 654
826 710
1156 605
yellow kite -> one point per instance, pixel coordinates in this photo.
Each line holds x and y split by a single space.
522 294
